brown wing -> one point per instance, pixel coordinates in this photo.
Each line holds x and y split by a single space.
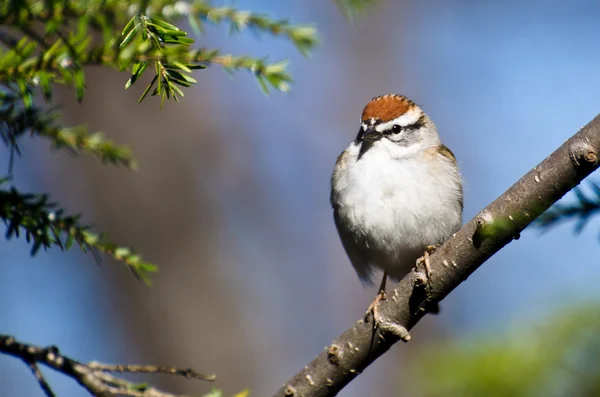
339 163
447 153
359 260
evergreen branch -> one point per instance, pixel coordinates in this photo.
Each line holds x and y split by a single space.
302 36
171 64
94 377
45 225
19 12
173 61
15 122
78 139
58 57
141 46
273 75
157 35
581 211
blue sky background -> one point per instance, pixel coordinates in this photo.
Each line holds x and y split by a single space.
506 83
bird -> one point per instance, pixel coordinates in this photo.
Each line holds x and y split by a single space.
396 191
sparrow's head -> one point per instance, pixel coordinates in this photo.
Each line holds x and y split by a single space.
397 123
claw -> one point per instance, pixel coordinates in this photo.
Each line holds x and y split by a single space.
430 249
381 296
384 325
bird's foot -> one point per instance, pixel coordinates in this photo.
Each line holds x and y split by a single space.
424 260
381 296
384 325
424 280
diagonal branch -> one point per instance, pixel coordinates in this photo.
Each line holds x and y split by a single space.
93 377
494 227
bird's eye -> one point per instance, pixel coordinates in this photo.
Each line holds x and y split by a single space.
396 128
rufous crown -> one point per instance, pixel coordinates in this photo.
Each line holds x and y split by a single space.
385 108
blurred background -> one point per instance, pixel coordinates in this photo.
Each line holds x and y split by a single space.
232 196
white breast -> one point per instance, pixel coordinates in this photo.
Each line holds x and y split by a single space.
393 208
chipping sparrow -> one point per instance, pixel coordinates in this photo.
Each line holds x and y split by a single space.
395 190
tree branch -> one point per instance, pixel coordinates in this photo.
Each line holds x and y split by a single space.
494 227
93 376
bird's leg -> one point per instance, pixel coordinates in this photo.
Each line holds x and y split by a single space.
381 296
430 249
384 325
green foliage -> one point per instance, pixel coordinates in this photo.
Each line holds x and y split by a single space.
45 43
45 225
303 37
558 357
582 210
167 75
16 121
85 32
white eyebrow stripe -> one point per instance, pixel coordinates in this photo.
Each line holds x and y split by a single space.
409 118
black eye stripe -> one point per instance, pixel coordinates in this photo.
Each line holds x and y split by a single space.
396 128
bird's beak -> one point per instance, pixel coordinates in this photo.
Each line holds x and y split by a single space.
371 135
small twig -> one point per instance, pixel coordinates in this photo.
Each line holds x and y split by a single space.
40 378
92 376
144 369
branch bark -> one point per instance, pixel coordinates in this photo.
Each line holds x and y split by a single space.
494 227
94 377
